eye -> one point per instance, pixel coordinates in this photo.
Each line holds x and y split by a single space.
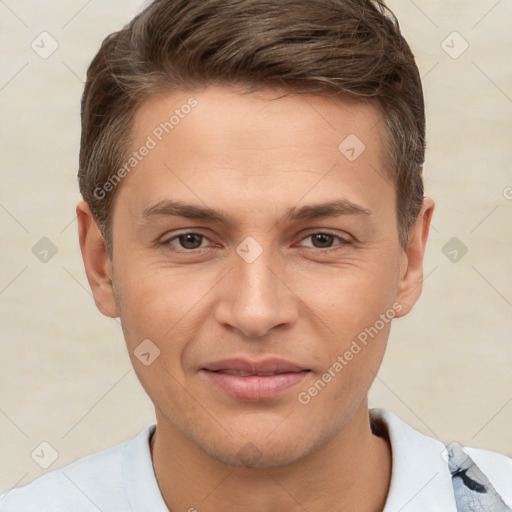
324 240
188 240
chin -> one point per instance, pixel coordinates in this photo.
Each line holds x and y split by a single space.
250 456
259 451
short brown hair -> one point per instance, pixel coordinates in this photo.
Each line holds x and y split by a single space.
346 48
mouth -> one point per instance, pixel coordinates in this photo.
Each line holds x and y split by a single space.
254 380
247 374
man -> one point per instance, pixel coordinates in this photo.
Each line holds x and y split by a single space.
254 213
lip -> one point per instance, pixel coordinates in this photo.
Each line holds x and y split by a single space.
254 380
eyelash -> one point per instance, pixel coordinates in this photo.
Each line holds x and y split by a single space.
343 242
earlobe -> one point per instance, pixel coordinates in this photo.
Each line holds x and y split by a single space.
411 274
98 265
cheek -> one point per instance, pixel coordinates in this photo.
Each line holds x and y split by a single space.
157 305
354 310
352 297
349 370
156 301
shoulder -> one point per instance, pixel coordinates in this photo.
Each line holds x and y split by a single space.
422 462
90 483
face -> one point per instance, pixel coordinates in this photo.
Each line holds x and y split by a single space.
256 268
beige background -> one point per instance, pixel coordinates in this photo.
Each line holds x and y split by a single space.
65 376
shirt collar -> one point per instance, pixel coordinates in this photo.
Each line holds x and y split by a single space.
139 477
420 478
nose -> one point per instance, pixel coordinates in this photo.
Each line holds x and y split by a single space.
256 297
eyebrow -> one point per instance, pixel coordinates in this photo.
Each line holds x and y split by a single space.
168 208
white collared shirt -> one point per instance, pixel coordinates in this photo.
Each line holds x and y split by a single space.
122 479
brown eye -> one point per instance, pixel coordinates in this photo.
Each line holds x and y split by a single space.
325 240
322 240
188 241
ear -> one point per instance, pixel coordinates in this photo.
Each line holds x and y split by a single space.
98 266
411 268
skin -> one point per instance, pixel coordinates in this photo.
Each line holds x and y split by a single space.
303 299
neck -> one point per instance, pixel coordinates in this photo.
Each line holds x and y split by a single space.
350 472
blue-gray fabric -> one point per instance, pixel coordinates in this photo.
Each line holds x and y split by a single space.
472 489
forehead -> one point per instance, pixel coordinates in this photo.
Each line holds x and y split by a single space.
259 148
266 118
